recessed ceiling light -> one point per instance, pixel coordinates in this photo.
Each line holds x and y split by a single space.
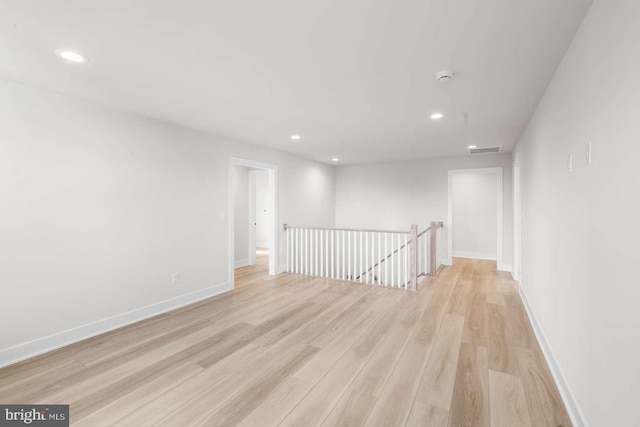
436 116
335 159
473 146
296 137
72 56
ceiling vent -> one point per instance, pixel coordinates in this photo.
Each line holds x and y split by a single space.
484 150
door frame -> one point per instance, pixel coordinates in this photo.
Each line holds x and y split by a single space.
450 174
272 206
251 182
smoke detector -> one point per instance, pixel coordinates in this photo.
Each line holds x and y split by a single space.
444 76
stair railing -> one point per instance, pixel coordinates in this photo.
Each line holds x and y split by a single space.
389 258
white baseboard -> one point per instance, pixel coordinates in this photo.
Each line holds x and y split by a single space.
570 402
474 255
38 346
445 261
241 263
282 268
505 267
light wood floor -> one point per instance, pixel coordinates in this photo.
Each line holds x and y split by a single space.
298 351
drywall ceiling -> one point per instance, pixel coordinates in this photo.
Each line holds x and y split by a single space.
356 78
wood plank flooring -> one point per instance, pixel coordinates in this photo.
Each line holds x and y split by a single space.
298 351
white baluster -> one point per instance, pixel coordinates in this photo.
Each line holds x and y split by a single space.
398 262
338 253
331 259
321 250
291 250
386 263
379 258
296 256
327 271
360 250
320 253
349 254
310 253
366 257
392 266
426 254
345 254
325 261
375 249
406 259
306 251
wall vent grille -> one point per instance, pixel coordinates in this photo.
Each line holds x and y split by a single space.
484 150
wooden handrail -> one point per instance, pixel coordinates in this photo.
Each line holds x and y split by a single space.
424 232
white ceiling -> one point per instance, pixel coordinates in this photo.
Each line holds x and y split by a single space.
355 78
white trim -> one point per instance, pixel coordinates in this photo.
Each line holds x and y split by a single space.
242 262
272 206
282 268
474 255
251 193
570 402
450 174
506 267
42 345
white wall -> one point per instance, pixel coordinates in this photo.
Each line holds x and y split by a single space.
98 207
581 232
262 215
241 215
475 215
394 195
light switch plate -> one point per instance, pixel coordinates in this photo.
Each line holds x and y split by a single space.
570 163
588 153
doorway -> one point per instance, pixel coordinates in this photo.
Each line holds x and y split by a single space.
475 214
246 177
258 225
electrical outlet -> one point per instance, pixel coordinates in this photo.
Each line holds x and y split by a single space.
175 278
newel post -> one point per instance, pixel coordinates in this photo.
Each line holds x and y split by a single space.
413 258
432 248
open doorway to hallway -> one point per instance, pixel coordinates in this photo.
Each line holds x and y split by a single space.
258 215
252 218
251 215
475 214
